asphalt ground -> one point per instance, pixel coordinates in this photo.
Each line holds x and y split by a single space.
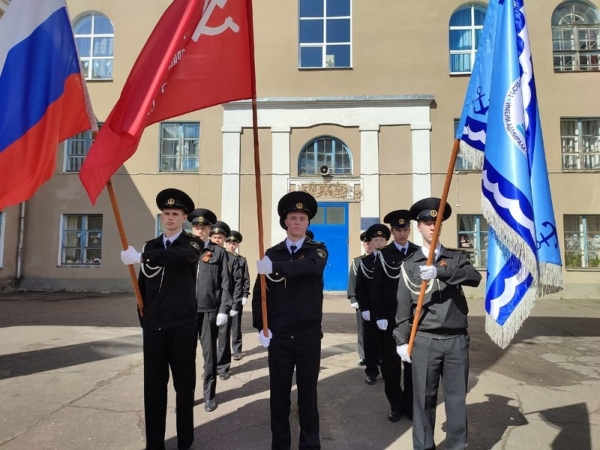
71 374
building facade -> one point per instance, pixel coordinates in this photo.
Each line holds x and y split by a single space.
357 104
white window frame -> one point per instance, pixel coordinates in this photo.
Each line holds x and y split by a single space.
81 142
477 252
2 232
325 61
83 236
581 244
87 62
179 157
580 152
329 159
471 27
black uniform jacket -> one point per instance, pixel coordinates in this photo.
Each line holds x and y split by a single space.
237 280
354 268
167 282
364 282
212 286
445 306
294 289
385 282
244 287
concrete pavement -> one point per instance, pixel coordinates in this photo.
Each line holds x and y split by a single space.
71 375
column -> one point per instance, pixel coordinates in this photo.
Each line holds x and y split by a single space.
230 181
421 165
280 138
369 170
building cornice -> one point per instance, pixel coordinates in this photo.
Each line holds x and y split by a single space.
333 102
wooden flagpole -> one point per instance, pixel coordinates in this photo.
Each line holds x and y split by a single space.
434 241
257 180
115 206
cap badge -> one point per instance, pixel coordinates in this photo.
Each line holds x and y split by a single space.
200 219
433 213
401 221
171 201
299 205
379 233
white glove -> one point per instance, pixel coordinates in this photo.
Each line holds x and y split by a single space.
402 351
233 313
130 256
428 272
221 319
264 341
244 300
382 324
264 266
354 305
366 315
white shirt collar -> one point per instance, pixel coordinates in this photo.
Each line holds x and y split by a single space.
289 243
172 238
438 249
400 247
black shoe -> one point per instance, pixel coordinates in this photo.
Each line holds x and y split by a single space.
394 416
224 376
370 380
210 405
237 356
361 362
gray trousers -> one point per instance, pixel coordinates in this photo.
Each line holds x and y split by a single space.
432 359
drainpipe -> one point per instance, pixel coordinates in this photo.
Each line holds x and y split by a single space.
20 247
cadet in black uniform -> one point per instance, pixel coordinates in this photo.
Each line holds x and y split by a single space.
167 282
351 293
294 277
372 335
441 347
214 299
240 295
385 287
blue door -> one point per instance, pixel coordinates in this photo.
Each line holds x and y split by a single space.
330 226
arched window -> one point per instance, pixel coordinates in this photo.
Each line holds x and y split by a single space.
325 151
465 30
576 36
95 36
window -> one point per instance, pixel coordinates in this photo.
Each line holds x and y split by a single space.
2 227
325 151
95 36
325 30
473 238
582 241
463 164
576 37
179 144
187 226
82 240
465 31
580 139
76 149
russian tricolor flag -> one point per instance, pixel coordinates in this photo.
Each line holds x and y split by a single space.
42 97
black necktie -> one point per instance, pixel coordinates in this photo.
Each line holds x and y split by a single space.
167 244
293 248
403 251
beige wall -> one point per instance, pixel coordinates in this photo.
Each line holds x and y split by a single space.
403 51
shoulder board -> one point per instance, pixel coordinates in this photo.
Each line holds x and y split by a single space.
241 257
387 246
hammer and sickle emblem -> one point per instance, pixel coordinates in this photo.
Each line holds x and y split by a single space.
202 28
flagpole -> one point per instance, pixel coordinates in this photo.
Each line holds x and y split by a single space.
257 181
434 241
115 206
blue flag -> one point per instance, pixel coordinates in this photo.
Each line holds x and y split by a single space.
523 256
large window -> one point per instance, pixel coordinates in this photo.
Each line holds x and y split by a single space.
325 151
580 144
179 145
582 241
160 229
81 240
76 149
2 226
576 37
473 238
325 34
95 36
465 31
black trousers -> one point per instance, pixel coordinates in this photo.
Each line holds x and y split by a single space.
359 325
399 399
224 347
433 359
302 352
236 331
174 348
373 340
208 333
